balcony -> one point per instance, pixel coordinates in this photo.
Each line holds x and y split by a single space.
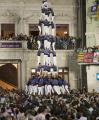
32 45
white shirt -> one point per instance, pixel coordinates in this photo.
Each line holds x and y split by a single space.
83 118
97 118
39 117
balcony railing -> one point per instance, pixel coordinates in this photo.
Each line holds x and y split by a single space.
32 45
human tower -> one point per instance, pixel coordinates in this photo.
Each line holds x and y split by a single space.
46 81
46 39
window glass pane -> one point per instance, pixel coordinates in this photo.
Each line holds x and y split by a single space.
62 29
7 31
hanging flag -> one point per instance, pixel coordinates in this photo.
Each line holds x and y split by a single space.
97 13
94 8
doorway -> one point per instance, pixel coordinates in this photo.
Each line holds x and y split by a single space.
9 74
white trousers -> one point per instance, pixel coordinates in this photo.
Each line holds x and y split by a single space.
52 18
62 89
42 30
39 27
49 45
48 61
39 44
26 88
30 89
35 88
50 30
46 30
66 88
53 46
48 89
53 32
57 89
38 60
45 59
45 44
54 60
41 90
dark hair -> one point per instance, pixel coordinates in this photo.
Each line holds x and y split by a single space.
2 118
2 110
41 109
47 116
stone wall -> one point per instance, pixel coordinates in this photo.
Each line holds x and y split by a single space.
92 39
92 82
92 26
22 13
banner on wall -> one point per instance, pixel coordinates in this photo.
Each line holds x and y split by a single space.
97 14
94 8
88 57
80 57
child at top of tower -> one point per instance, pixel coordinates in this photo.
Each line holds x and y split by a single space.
45 4
46 8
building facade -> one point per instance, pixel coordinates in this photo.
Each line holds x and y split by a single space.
24 13
92 39
21 17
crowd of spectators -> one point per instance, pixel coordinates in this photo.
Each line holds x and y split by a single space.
13 37
18 105
88 49
62 43
66 43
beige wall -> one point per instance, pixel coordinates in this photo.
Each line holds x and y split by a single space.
92 26
23 12
92 39
91 78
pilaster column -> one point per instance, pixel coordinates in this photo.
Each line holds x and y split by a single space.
71 29
16 28
26 28
19 74
23 74
0 29
21 21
